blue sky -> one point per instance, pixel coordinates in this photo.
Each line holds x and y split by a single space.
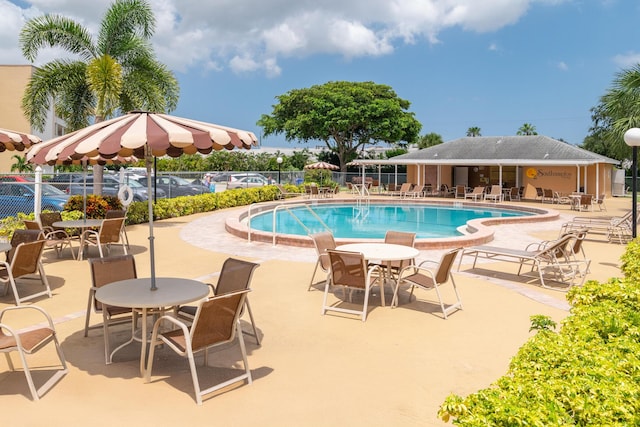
494 64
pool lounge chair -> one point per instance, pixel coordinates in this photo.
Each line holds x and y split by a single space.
477 193
552 260
404 188
417 191
613 227
283 193
495 194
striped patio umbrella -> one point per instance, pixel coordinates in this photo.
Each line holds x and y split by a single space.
19 141
322 165
143 135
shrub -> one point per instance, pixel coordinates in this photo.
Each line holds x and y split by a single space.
96 207
586 374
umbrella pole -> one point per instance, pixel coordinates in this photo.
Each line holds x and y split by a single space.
150 204
84 188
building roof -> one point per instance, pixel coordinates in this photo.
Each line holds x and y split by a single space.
500 150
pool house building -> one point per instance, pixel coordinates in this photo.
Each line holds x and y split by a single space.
511 161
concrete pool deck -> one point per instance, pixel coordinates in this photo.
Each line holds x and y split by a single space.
394 369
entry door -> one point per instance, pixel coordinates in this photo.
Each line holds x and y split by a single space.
461 176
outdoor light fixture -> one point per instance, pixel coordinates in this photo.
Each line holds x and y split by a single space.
632 139
279 160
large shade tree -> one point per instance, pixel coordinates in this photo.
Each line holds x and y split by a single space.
346 116
115 71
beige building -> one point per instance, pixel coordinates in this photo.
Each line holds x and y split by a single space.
510 161
13 81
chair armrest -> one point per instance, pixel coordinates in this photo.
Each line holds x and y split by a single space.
418 269
428 261
28 307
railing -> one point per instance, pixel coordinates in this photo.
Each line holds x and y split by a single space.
286 207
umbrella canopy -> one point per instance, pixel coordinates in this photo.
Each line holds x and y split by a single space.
322 165
18 141
143 135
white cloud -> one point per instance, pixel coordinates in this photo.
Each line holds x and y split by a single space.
249 35
627 60
562 66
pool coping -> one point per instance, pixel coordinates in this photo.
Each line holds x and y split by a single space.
479 231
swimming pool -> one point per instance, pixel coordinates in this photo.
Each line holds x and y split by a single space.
371 221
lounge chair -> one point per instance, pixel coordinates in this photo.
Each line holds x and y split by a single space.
422 277
417 191
551 259
28 341
461 191
614 227
477 193
283 193
495 194
216 324
404 188
560 199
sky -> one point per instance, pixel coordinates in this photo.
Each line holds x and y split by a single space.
492 64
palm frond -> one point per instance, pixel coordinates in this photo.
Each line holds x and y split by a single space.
125 18
51 81
55 31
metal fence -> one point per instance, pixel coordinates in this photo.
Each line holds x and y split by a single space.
18 192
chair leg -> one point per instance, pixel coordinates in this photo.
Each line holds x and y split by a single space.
313 276
253 323
194 374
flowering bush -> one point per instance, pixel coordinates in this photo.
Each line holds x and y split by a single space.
96 207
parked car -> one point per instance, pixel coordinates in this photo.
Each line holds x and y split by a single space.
63 180
20 197
246 181
110 187
174 186
15 178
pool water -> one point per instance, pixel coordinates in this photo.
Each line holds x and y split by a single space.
372 221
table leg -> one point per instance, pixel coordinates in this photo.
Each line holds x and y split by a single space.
143 340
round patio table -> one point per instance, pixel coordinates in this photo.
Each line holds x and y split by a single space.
137 294
82 224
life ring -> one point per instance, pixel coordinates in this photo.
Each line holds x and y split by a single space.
125 194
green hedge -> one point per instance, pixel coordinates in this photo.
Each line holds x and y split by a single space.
138 212
187 205
586 374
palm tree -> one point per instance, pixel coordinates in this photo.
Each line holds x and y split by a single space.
473 131
618 111
527 129
21 165
115 71
429 140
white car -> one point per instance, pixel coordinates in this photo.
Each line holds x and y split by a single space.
246 181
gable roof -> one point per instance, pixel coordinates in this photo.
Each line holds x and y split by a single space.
501 150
